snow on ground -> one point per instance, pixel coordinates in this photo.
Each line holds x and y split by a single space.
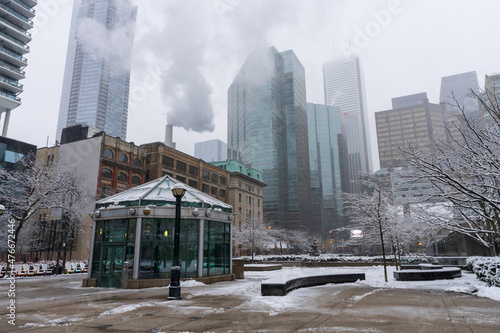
307 298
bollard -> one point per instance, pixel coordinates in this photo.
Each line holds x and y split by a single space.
124 275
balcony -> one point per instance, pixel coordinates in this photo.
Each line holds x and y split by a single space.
10 85
11 71
14 17
12 58
8 100
30 3
14 31
14 44
20 7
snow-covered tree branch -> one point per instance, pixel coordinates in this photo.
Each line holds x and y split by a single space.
465 172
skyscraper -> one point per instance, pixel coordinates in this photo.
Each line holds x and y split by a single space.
419 124
211 150
267 129
15 21
97 74
344 88
458 86
326 164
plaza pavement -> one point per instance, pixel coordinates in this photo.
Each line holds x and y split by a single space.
59 304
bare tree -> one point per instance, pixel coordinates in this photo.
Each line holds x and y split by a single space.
372 206
465 172
253 235
39 188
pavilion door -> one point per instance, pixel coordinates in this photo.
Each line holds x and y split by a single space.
111 266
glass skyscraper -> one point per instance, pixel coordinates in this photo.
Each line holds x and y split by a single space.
15 21
97 75
344 88
327 165
267 129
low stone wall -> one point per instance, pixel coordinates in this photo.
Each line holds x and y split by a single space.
262 267
428 274
282 288
151 283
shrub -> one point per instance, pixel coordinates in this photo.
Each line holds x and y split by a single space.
487 269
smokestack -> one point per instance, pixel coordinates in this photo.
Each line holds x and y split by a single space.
168 136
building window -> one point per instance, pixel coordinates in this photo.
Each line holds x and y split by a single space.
258 202
122 177
222 193
136 180
205 188
106 191
181 166
106 173
215 177
123 158
214 190
137 162
223 180
181 179
239 197
205 174
193 170
108 154
167 161
193 183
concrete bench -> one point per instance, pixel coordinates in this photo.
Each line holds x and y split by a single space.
282 288
428 274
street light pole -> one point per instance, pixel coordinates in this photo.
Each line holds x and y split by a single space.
174 291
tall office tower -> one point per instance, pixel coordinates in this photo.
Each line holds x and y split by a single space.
490 96
211 150
267 129
344 88
326 163
458 86
421 123
15 21
97 75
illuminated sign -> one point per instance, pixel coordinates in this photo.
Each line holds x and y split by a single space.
356 233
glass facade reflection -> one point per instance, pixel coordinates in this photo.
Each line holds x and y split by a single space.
97 74
326 158
267 129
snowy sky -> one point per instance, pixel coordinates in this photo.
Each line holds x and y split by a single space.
187 53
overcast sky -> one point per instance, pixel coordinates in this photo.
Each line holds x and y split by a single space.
187 53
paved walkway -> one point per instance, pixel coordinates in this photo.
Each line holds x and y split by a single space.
59 304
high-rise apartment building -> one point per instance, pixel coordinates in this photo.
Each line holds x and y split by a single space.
211 150
421 124
344 88
15 21
267 130
327 166
97 75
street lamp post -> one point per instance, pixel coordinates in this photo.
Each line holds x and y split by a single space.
174 291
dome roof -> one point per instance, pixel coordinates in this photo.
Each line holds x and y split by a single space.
159 193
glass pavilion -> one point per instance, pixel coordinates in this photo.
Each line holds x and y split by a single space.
133 237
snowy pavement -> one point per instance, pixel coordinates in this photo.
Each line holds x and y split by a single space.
60 304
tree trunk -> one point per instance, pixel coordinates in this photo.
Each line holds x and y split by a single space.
383 249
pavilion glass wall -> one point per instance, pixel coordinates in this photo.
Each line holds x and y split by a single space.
119 234
157 248
216 248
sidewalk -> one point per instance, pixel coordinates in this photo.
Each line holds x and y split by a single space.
59 304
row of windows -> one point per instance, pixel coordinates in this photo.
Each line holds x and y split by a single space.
169 162
123 158
121 177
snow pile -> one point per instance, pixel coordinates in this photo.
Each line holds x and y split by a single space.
487 269
341 258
